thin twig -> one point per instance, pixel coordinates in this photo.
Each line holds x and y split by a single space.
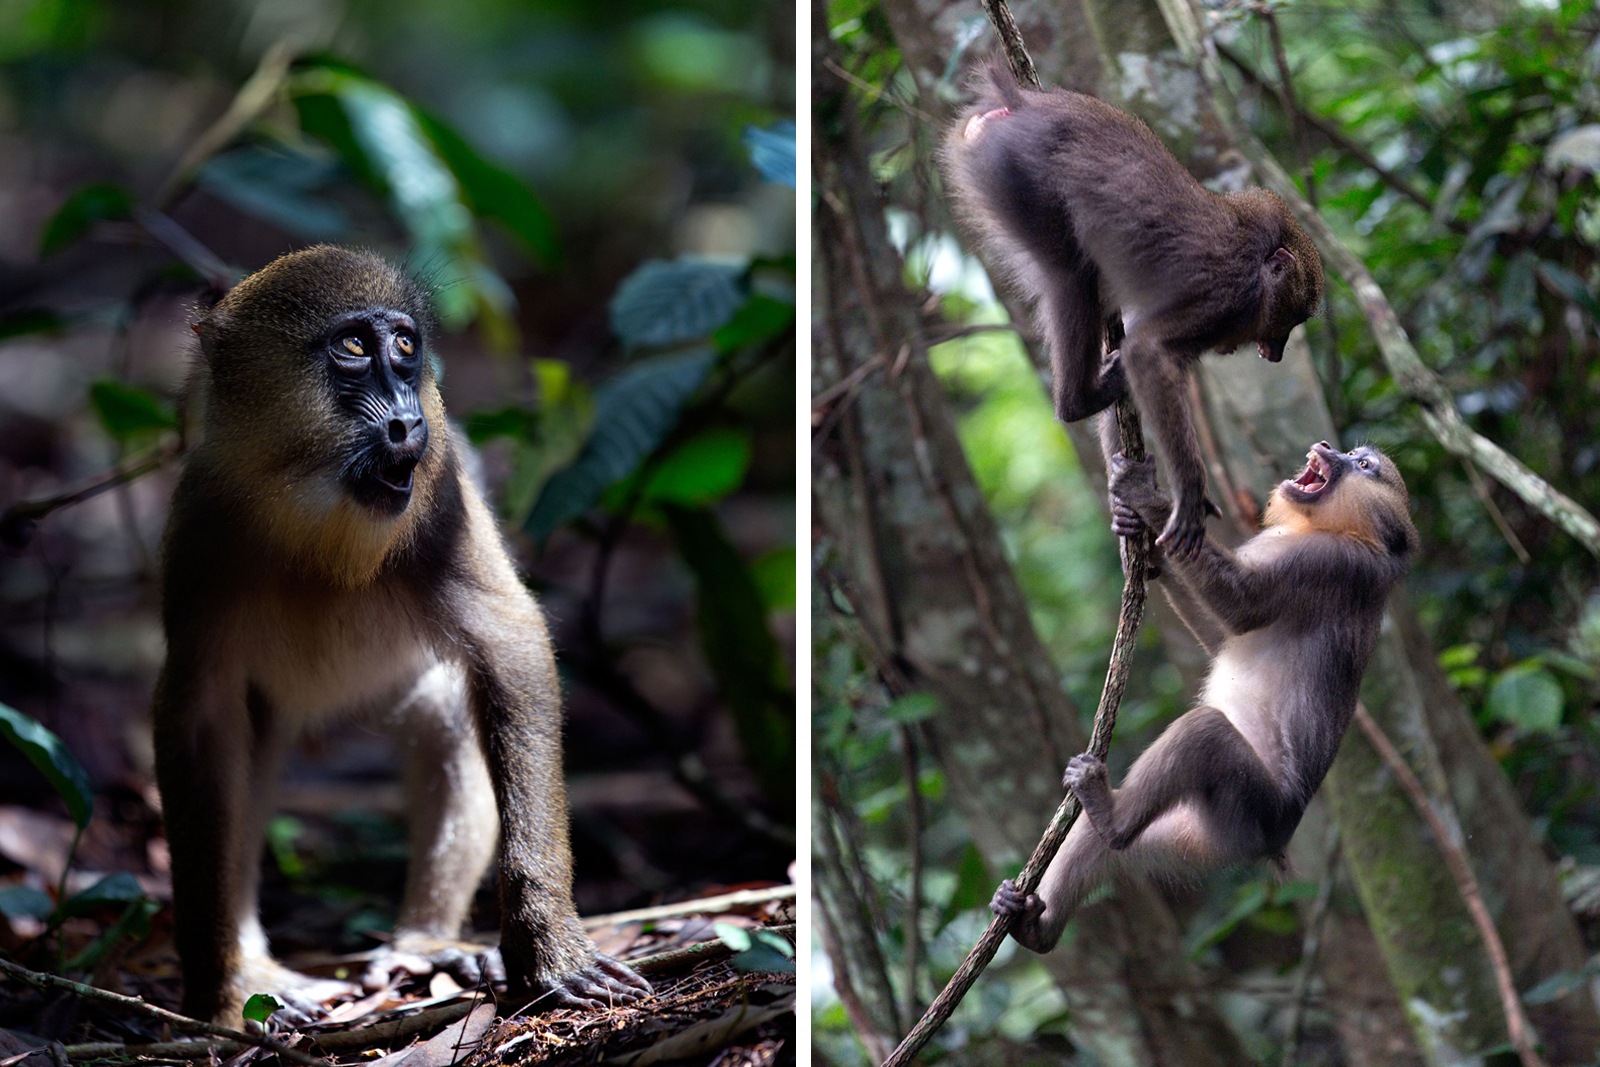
1481 487
913 935
18 521
253 97
40 980
1136 553
878 93
1310 946
703 906
1517 1026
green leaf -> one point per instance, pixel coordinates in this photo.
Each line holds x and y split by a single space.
913 707
282 833
484 426
46 752
774 575
669 302
90 204
1528 697
25 902
634 412
770 953
701 471
126 411
260 1006
735 937
496 193
29 320
134 923
740 649
975 886
118 888
760 320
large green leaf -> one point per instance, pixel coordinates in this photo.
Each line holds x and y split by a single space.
1528 697
634 412
760 320
671 302
88 205
701 471
740 649
496 193
126 411
46 752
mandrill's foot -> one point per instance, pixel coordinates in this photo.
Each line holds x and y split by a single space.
1009 900
603 983
304 997
418 955
1086 777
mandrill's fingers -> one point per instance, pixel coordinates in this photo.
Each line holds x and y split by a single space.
621 975
603 983
1009 900
1185 530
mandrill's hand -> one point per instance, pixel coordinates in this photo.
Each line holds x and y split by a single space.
471 965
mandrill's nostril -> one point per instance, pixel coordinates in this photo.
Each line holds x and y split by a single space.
397 431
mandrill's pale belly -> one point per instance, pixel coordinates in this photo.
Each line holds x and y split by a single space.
1247 683
345 654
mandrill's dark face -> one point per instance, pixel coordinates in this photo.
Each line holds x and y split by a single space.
375 368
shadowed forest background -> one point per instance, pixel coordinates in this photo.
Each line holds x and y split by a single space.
967 582
602 198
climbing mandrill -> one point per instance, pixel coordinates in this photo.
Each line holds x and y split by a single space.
327 555
1291 620
1087 213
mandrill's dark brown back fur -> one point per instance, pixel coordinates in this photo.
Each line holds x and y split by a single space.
1076 185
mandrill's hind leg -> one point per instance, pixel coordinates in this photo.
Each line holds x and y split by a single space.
1069 311
1200 793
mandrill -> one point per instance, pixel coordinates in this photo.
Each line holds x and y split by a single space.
1291 619
328 555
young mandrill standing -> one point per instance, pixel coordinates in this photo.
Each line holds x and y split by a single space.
327 555
1291 620
1088 213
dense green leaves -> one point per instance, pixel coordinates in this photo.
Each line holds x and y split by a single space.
496 193
46 752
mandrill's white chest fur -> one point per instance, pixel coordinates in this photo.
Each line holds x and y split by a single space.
343 652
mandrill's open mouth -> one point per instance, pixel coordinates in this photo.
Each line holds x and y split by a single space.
1272 351
1314 479
398 476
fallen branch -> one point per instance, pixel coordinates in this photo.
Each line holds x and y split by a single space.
705 905
1517 1026
40 980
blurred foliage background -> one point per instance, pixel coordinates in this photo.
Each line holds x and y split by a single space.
1455 148
602 197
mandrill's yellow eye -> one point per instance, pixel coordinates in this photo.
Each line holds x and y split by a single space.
1363 464
353 346
403 343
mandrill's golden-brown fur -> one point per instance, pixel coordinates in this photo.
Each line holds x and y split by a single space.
327 555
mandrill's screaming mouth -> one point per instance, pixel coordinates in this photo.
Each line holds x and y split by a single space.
1272 351
1314 479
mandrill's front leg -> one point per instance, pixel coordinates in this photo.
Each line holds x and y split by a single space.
516 699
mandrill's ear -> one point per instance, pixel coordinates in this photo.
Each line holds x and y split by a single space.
1282 257
208 327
